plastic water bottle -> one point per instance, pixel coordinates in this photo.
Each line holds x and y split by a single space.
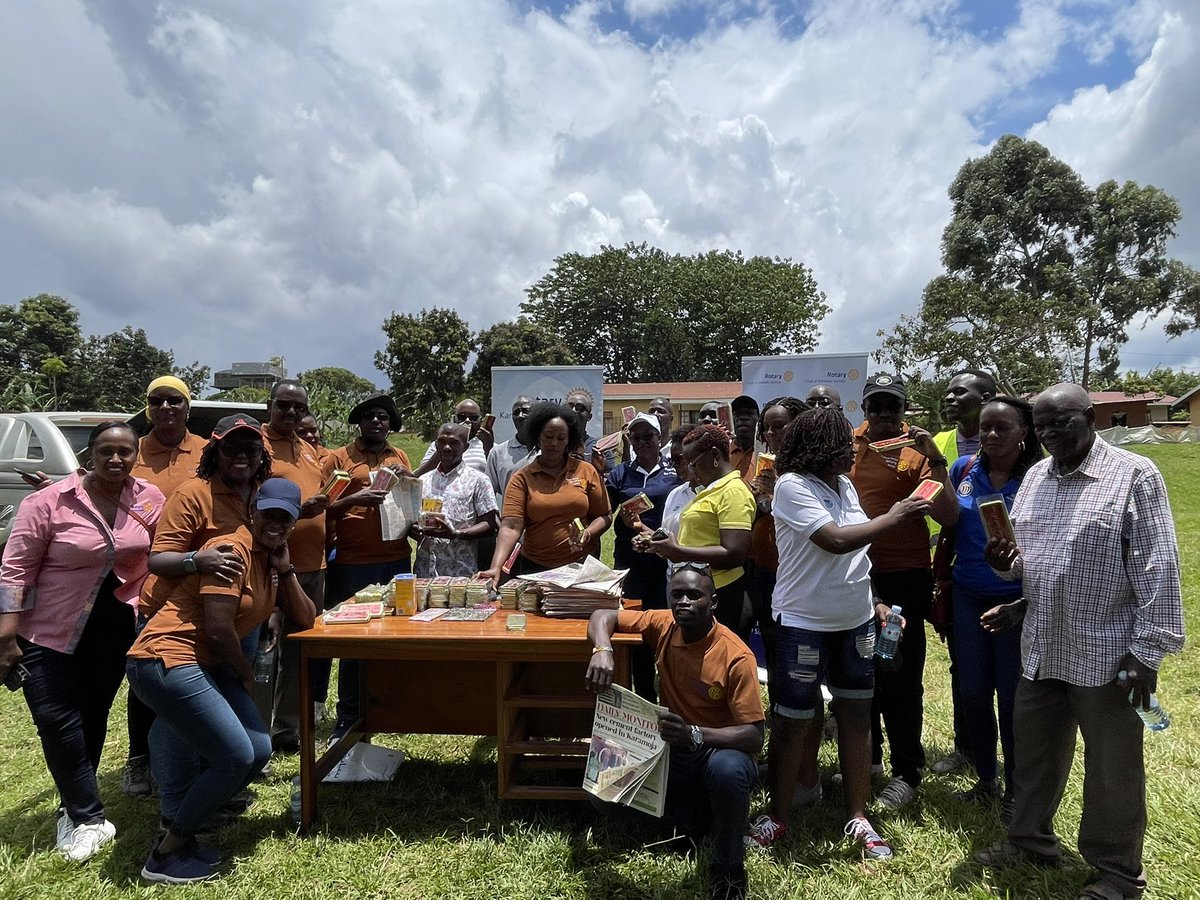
889 636
1155 718
264 663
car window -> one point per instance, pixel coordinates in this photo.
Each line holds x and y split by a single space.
77 436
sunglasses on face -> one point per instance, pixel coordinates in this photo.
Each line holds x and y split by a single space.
245 448
169 401
580 407
814 402
467 417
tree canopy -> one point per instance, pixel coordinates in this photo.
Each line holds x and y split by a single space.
1043 275
517 343
647 315
425 359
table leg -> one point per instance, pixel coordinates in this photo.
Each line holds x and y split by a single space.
308 773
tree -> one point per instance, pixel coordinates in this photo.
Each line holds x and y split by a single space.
517 343
338 381
195 376
244 394
425 360
36 330
1043 275
332 393
646 315
1159 380
116 369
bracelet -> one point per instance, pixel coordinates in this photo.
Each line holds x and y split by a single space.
596 650
291 570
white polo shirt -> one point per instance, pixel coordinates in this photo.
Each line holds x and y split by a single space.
816 589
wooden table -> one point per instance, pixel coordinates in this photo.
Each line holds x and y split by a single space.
524 687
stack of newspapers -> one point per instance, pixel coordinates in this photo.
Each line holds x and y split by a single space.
576 590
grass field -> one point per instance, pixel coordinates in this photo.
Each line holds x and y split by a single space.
439 832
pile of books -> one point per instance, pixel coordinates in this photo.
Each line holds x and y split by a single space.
577 590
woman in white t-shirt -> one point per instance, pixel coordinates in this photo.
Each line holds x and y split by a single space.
826 614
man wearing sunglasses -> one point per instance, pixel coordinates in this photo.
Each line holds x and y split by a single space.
466 412
822 395
708 681
296 460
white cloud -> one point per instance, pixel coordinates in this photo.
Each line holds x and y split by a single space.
246 180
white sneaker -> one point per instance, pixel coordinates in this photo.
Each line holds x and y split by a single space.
898 793
64 828
86 840
836 780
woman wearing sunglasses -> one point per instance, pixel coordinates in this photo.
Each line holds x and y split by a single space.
167 457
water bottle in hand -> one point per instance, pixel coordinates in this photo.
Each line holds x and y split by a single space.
1155 718
889 637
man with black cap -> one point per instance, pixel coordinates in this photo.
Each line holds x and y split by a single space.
901 573
745 425
363 557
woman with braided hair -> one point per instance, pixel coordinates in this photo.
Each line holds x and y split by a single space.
826 620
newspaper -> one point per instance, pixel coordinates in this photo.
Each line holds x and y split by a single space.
589 575
628 760
400 509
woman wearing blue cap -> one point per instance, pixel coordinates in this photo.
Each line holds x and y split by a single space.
188 666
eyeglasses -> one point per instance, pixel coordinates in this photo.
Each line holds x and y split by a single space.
643 436
701 567
290 405
814 402
580 407
244 448
155 400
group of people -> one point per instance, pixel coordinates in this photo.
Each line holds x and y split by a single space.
174 559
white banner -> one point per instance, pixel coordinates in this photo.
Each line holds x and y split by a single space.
767 377
544 383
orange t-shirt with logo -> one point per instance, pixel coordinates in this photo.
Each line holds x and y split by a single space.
882 479
168 467
296 460
712 682
547 503
177 634
359 532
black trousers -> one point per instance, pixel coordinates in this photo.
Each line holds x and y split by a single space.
646 581
899 705
69 696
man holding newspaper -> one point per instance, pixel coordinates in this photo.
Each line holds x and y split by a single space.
713 716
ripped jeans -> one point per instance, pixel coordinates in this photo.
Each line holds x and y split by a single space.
845 660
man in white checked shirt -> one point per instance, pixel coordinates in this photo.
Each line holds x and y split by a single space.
1097 554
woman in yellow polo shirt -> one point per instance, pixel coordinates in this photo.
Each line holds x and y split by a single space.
715 526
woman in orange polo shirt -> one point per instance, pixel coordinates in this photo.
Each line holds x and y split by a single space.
167 457
544 498
189 667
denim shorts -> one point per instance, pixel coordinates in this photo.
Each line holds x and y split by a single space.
845 660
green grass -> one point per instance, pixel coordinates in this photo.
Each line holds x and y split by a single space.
439 831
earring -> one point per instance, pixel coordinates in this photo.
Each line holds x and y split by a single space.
1021 446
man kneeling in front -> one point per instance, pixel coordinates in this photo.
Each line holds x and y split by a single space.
708 681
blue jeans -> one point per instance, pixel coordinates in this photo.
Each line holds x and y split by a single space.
206 715
989 666
343 581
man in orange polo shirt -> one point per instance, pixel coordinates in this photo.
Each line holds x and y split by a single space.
363 557
901 574
296 460
708 681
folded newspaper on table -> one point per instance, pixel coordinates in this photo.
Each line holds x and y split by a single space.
628 760
576 590
400 509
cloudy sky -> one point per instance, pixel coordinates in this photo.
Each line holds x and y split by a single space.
275 177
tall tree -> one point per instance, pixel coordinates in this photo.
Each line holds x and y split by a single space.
337 381
195 376
332 393
646 315
517 343
116 368
1043 275
33 332
425 359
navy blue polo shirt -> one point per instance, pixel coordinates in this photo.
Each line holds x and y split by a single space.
970 568
626 481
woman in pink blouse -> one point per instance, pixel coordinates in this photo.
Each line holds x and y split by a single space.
69 583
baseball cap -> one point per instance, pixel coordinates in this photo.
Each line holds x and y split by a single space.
882 383
279 493
235 423
744 401
650 420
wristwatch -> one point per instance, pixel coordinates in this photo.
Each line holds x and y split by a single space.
290 570
189 563
697 738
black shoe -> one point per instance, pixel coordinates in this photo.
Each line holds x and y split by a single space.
287 744
982 792
727 883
